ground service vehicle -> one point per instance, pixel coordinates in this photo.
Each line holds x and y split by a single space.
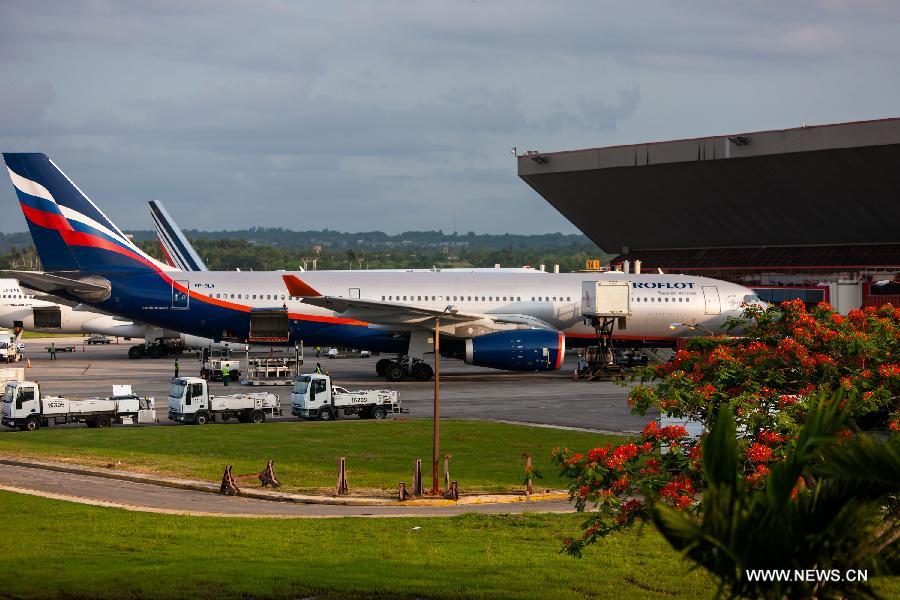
190 402
25 408
9 347
214 360
313 397
97 339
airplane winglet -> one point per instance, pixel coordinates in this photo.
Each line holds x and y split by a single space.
296 287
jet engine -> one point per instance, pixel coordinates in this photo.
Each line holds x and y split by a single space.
518 350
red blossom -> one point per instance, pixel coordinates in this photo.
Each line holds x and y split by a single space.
759 453
651 468
598 454
770 437
621 484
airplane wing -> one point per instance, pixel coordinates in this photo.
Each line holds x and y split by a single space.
45 282
396 314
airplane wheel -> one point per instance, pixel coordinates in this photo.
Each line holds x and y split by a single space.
381 366
422 371
136 352
157 351
394 372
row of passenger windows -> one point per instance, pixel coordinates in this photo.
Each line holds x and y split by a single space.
473 298
663 299
17 296
281 297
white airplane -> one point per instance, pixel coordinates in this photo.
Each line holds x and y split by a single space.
512 321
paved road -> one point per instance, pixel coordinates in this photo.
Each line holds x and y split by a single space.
467 392
152 498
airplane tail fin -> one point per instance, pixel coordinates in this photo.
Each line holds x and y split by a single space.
175 245
69 231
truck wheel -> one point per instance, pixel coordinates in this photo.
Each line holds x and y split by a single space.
379 412
257 416
200 419
32 424
103 422
422 371
325 414
381 366
394 372
136 352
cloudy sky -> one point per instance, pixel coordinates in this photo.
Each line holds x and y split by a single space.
400 115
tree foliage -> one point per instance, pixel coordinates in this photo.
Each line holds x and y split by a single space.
768 381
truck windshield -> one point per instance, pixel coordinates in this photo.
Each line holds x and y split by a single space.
9 395
177 390
301 385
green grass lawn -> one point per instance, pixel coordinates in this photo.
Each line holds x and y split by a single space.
485 456
60 549
37 335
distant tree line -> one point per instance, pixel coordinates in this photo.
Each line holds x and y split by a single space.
272 249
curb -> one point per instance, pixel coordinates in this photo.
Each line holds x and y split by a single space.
272 496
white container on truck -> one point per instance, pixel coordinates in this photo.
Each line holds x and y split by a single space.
313 397
24 407
190 402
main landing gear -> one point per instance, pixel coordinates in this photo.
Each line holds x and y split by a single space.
403 367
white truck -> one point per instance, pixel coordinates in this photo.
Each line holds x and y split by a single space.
215 361
9 347
313 397
191 402
25 408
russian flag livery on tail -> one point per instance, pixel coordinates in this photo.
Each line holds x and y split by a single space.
517 321
69 231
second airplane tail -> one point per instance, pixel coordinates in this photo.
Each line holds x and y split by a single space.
70 233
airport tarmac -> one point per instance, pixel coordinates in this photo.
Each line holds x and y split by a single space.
467 392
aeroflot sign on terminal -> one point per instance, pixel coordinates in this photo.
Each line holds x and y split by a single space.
663 285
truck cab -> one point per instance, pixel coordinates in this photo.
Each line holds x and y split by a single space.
311 393
21 399
187 397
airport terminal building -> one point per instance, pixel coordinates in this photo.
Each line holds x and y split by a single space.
811 212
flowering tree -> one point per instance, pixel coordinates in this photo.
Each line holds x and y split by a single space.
785 359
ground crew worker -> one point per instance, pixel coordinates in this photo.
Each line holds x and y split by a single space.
318 351
52 351
318 369
225 375
176 368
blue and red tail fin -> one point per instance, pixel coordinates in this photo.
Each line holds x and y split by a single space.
69 231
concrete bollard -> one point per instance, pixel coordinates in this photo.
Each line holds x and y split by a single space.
528 472
342 488
417 478
446 471
452 491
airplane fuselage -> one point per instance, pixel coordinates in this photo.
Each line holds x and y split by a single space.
219 304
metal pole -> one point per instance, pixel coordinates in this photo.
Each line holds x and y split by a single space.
435 484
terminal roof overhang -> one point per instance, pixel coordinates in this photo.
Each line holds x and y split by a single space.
816 185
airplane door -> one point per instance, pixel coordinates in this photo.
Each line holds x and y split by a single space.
354 293
711 300
180 299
